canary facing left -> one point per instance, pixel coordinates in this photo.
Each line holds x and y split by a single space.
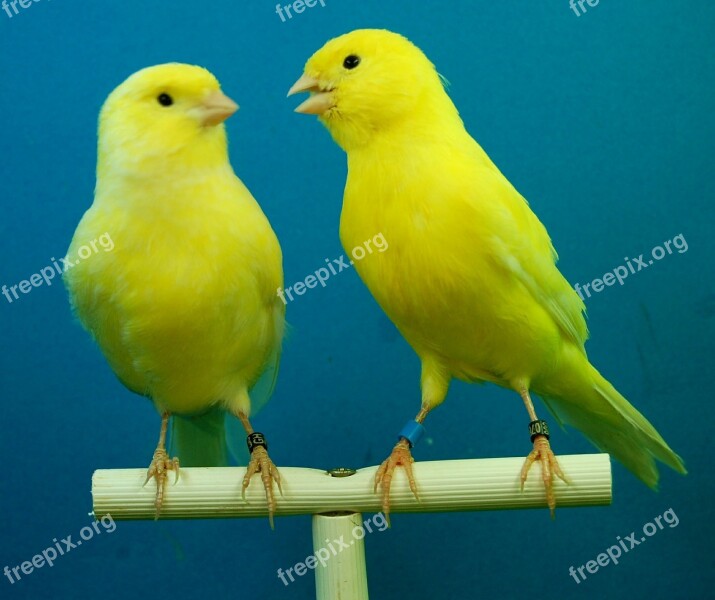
470 279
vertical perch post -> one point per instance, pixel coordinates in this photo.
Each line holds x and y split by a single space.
344 574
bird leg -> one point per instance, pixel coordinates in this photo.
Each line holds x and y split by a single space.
160 465
541 452
260 463
401 456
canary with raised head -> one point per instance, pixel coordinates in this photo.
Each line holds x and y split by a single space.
184 308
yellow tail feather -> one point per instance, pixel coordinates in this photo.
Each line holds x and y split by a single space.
613 425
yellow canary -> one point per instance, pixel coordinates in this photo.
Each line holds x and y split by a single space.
470 278
184 307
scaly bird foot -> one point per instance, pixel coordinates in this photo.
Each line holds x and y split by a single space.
549 466
261 462
400 457
158 469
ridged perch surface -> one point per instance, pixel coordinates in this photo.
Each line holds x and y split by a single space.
452 485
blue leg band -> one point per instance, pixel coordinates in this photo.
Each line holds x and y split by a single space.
412 432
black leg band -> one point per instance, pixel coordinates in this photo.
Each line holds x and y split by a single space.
538 427
256 439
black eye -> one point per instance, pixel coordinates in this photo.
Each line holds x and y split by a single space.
165 99
351 61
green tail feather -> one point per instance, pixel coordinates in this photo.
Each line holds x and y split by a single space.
200 441
208 440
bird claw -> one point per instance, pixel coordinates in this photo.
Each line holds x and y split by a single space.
400 457
158 469
261 463
549 466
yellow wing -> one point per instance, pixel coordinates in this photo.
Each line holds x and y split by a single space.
524 248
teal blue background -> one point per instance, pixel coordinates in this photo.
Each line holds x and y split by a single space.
604 122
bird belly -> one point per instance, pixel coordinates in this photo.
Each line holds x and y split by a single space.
185 322
453 302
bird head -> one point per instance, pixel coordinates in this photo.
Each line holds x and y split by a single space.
163 116
369 81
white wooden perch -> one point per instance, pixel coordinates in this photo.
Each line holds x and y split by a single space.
336 499
453 485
